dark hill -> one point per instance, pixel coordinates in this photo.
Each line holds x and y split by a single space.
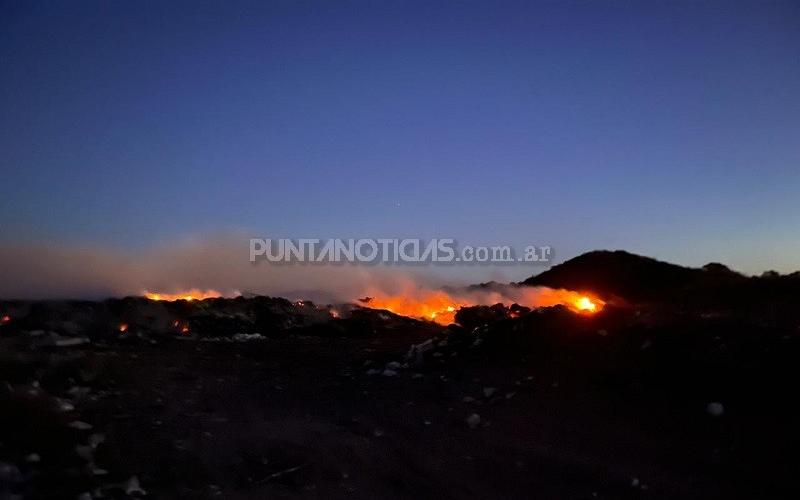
633 277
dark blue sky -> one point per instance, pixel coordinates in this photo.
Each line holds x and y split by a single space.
666 128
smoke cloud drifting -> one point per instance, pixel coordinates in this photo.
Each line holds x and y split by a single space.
48 271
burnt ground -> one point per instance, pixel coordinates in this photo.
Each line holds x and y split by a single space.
568 407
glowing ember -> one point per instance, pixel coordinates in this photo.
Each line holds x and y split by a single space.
123 328
441 307
434 305
585 304
6 319
185 329
193 294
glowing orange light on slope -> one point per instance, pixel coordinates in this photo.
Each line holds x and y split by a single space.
193 294
441 307
585 304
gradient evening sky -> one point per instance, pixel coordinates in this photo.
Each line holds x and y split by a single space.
670 129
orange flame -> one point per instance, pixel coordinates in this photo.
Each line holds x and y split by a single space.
193 294
433 305
585 304
123 328
441 307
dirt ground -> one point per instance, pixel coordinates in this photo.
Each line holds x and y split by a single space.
317 417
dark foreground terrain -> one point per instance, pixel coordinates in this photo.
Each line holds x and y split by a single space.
658 400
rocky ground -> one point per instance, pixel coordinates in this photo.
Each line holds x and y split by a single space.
542 404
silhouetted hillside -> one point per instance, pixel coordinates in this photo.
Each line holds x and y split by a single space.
633 277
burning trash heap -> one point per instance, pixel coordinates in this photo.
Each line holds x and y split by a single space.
123 398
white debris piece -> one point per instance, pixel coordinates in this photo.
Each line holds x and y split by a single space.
389 373
417 351
70 342
473 421
96 439
489 391
81 426
65 406
247 337
78 392
33 458
133 487
715 409
393 365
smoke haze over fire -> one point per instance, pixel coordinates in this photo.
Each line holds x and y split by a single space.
219 267
219 263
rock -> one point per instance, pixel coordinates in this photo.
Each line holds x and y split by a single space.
81 426
489 391
9 473
85 452
389 373
70 342
65 406
133 487
473 421
417 351
33 458
393 365
96 439
715 409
